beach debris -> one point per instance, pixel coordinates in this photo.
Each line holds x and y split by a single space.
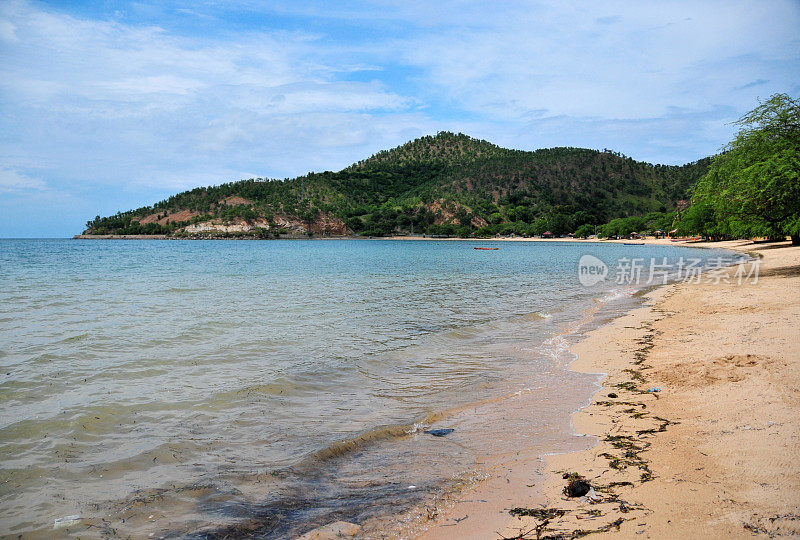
538 513
613 525
67 521
659 429
635 374
591 496
577 487
630 386
653 390
439 432
412 487
537 530
612 395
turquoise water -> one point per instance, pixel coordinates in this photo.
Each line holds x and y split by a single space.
177 386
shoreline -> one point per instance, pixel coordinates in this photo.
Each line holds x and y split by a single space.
649 240
687 458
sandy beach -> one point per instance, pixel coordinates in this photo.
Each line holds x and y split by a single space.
712 454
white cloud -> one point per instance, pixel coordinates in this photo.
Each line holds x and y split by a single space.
14 181
8 32
610 59
103 102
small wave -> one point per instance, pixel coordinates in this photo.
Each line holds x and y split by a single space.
536 316
615 294
179 290
463 333
557 348
347 446
344 447
276 388
75 338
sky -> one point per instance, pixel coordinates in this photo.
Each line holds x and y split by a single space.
111 105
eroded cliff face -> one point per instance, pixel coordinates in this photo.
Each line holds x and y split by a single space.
324 225
186 222
164 218
220 226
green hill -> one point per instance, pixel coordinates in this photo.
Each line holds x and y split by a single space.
440 185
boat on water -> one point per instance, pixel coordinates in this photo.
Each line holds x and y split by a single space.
487 249
633 243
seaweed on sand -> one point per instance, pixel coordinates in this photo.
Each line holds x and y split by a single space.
538 513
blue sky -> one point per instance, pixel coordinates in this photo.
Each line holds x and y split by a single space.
107 106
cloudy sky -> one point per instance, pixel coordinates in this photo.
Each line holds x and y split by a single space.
111 105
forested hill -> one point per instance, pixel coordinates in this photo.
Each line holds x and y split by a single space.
448 184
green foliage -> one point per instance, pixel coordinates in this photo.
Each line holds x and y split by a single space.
753 187
584 231
621 227
700 219
448 184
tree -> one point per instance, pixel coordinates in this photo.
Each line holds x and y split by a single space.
753 187
585 231
700 219
539 227
560 224
464 216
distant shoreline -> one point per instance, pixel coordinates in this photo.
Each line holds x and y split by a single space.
651 241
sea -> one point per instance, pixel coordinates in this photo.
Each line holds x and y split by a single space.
180 388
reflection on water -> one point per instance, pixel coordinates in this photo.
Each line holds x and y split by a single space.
178 386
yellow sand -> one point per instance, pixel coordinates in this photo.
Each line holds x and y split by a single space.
727 463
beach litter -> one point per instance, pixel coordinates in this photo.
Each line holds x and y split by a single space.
68 521
591 496
612 395
652 390
439 432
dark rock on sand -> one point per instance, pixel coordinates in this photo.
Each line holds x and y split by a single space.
577 488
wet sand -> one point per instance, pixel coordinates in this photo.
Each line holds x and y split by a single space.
713 454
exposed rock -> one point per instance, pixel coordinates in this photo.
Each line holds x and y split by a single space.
577 488
161 219
235 200
323 226
446 212
327 225
236 226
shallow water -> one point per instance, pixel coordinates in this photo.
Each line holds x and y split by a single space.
171 387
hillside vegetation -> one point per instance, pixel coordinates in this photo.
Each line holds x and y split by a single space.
448 184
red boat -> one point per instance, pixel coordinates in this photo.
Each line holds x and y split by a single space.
486 249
